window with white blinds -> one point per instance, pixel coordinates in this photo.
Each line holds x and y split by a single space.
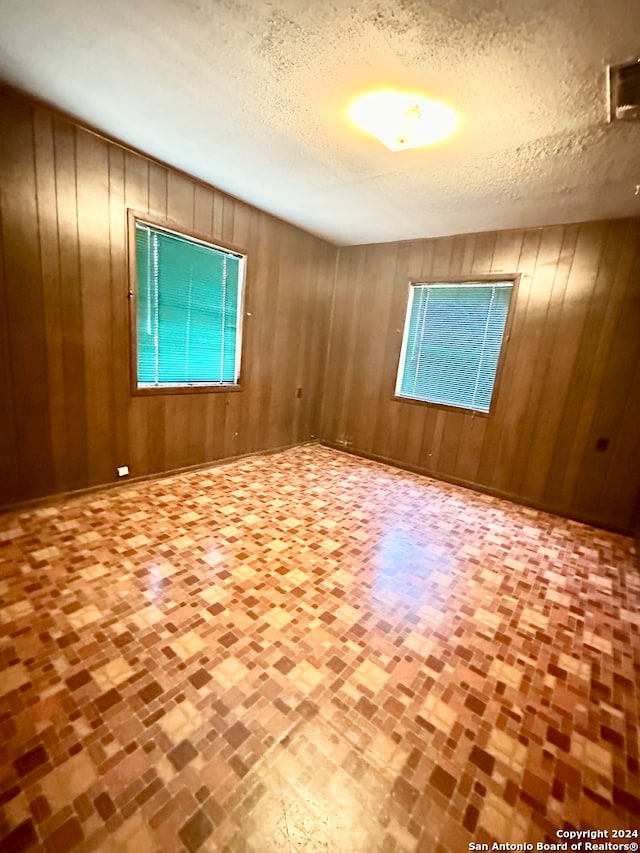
452 340
188 310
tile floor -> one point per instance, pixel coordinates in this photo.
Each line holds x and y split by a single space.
308 651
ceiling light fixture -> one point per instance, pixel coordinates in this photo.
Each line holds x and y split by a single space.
403 120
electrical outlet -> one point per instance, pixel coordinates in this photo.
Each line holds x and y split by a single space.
123 471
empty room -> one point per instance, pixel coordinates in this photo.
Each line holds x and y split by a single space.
320 433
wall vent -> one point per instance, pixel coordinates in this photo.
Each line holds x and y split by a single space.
624 91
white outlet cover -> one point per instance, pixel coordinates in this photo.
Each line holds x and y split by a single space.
123 470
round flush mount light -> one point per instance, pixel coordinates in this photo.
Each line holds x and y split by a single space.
403 120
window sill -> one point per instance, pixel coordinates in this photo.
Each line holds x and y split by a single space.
441 406
185 389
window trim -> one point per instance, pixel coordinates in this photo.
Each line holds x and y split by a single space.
514 278
134 216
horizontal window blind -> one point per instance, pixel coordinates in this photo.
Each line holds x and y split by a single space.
188 303
452 341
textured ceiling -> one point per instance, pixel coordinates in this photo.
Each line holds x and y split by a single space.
252 97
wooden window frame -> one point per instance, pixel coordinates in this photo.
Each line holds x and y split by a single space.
134 216
514 278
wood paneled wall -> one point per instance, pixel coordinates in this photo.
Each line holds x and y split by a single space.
68 418
571 373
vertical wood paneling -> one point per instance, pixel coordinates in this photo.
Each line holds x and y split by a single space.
443 253
228 216
70 417
593 357
530 352
510 404
92 159
49 260
370 334
339 379
275 317
347 317
25 308
155 408
304 297
249 419
218 204
283 392
506 258
613 478
146 442
262 291
387 422
157 191
8 442
619 487
544 412
119 288
74 390
321 315
577 298
421 423
571 367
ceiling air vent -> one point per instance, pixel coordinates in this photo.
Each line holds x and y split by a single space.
624 91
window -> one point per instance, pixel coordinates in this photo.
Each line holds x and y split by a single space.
452 340
188 311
